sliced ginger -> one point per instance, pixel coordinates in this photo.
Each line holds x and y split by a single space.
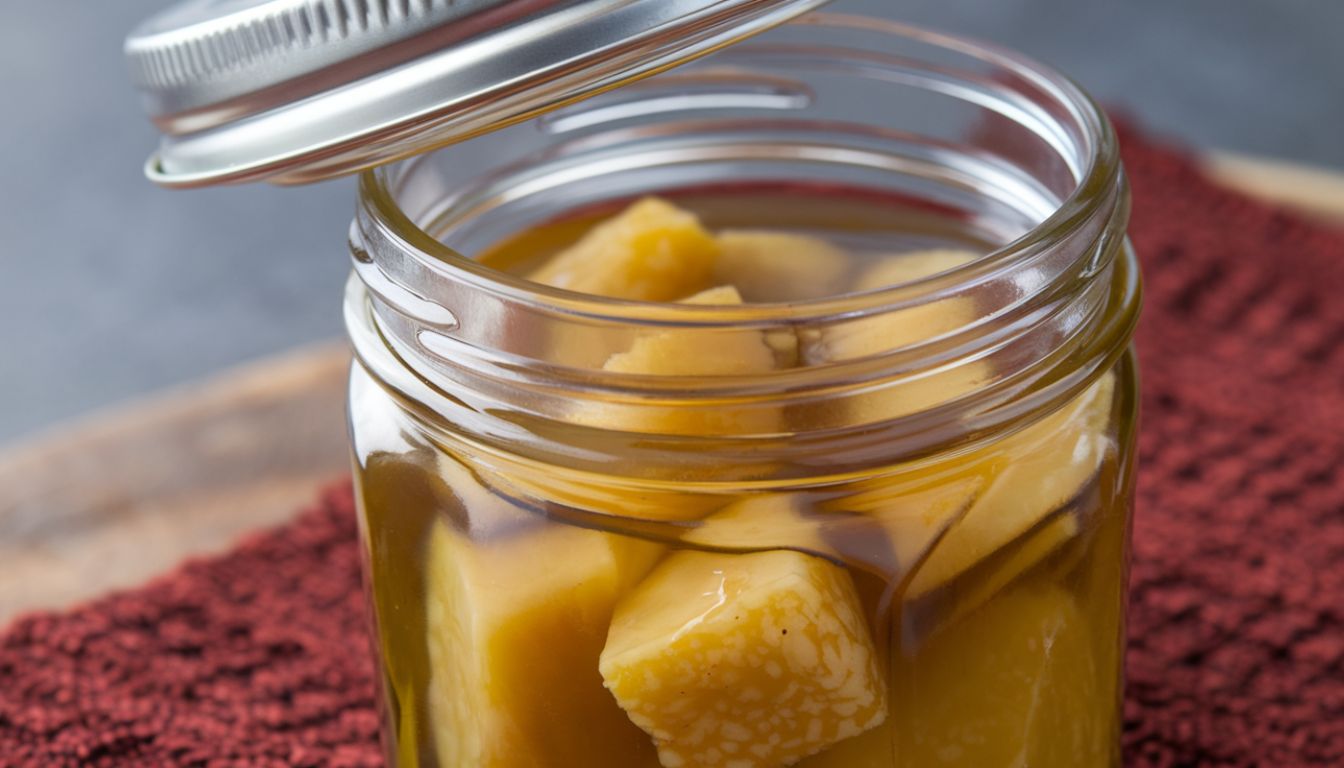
890 331
907 326
744 661
515 628
780 266
1036 472
924 613
1000 511
671 352
652 251
1027 477
692 353
1015 683
915 265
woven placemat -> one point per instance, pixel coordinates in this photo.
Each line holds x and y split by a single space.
260 657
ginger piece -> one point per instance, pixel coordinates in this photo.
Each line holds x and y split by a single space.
685 353
691 353
883 333
1003 510
1015 683
1039 470
1027 476
652 251
780 266
749 661
925 613
914 265
515 626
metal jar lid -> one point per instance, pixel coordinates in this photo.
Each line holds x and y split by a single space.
293 91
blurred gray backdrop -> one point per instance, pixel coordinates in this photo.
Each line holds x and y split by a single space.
113 288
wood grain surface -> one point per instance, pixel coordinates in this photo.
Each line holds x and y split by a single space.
1316 192
108 502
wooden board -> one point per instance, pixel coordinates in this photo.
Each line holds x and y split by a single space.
1316 192
111 501
108 502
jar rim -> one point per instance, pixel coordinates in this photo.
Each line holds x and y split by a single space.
1097 176
465 345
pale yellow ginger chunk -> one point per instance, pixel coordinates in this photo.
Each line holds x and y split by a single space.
515 628
871 749
691 353
783 345
723 295
667 353
1040 469
1020 558
652 251
908 326
915 265
780 266
744 661
893 330
1027 476
764 521
1015 683
923 614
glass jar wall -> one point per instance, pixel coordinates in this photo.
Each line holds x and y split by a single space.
867 508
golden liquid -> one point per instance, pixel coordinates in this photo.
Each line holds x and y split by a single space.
1015 660
865 226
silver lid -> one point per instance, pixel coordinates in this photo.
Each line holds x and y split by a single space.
293 91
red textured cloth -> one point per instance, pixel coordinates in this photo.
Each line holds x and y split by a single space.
260 657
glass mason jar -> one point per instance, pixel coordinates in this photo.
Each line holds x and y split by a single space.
904 543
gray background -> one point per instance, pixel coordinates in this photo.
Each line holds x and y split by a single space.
113 288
